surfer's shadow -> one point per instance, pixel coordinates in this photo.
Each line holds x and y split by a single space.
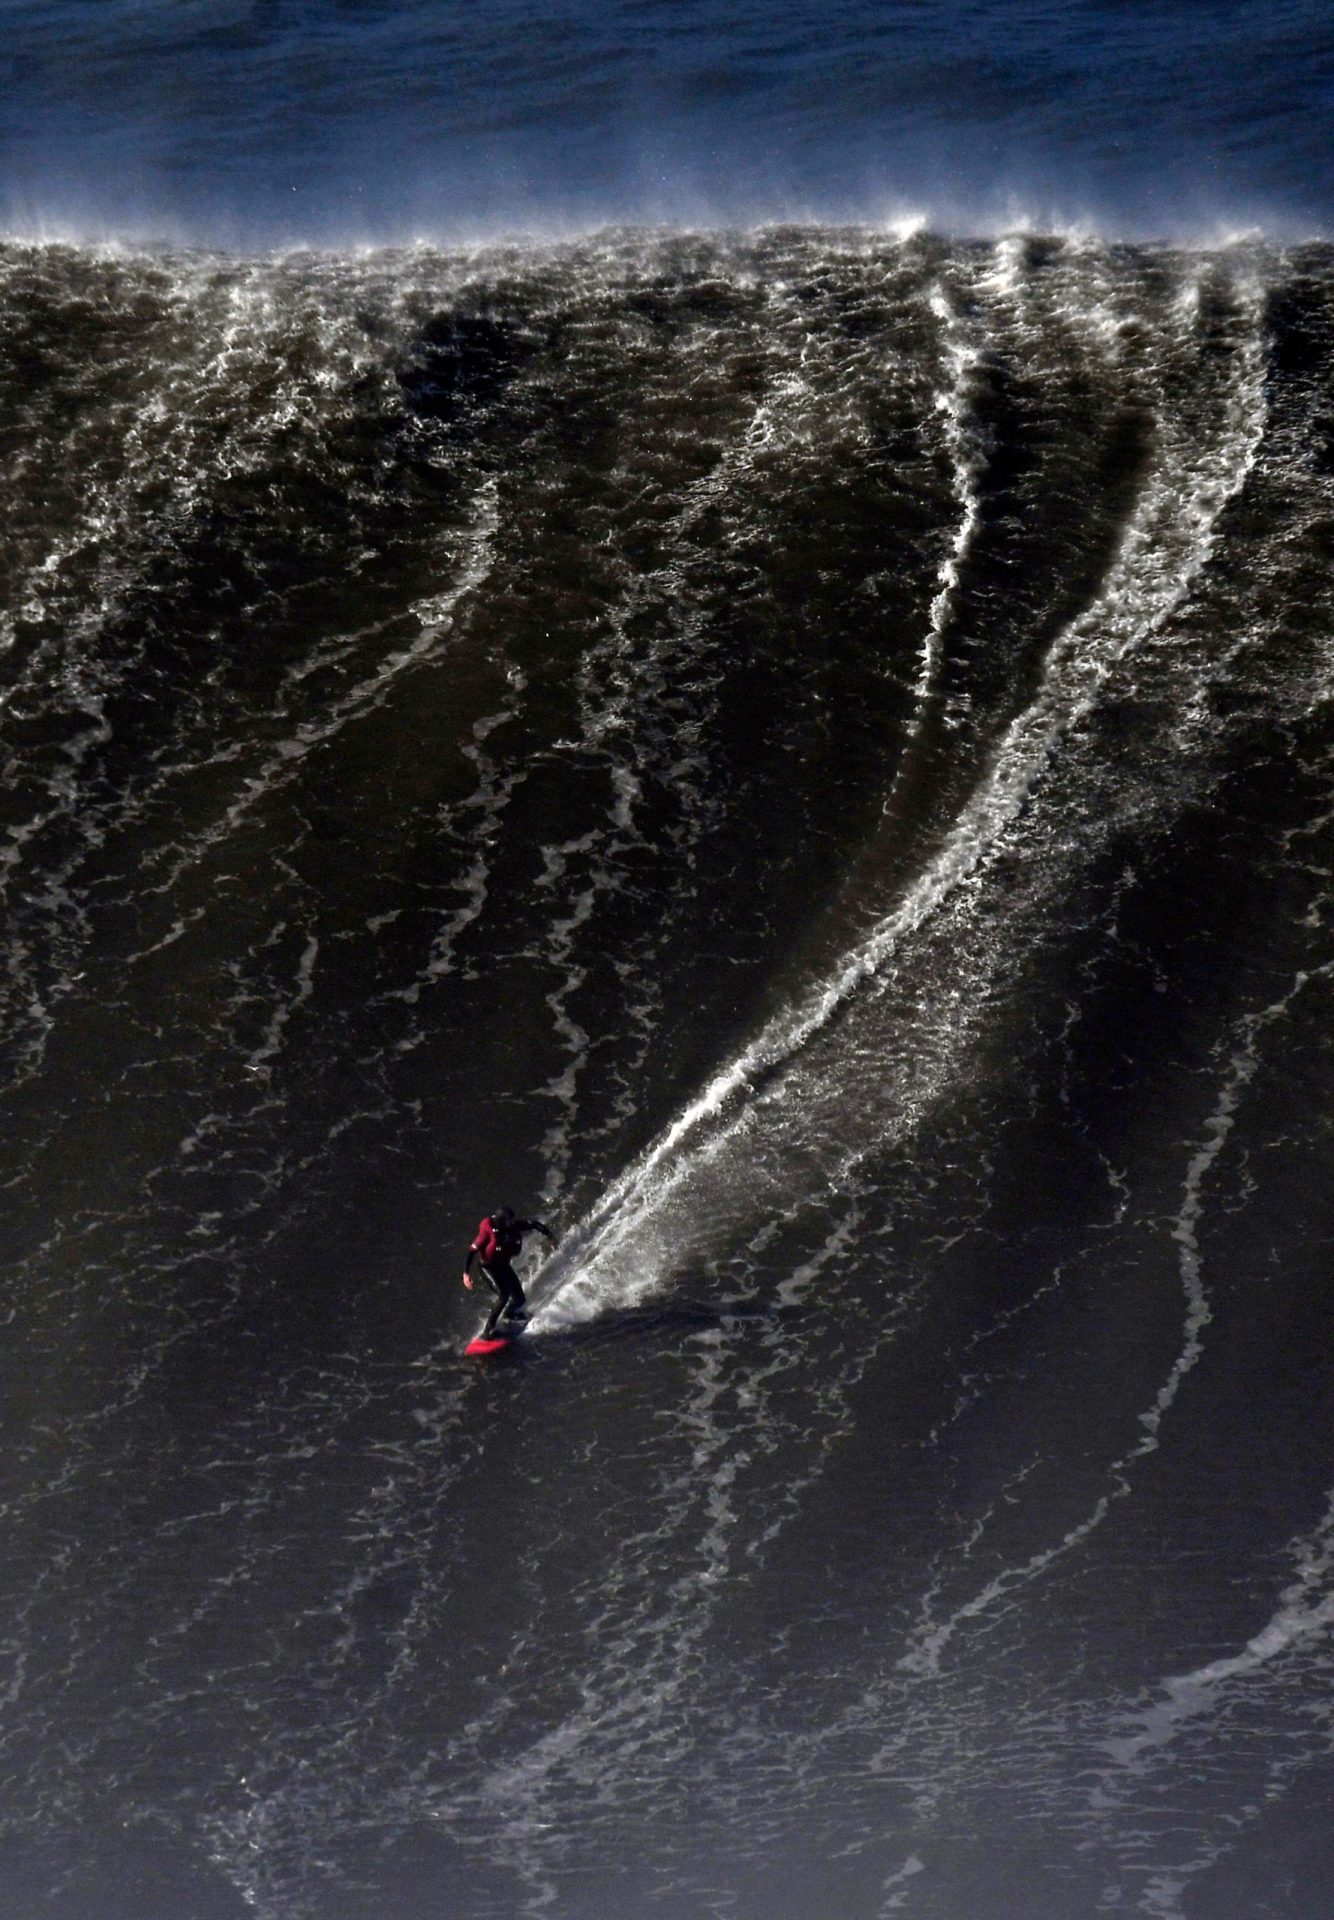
631 1323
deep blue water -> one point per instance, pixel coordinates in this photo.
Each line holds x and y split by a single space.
331 122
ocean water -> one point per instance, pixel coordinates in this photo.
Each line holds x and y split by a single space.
263 122
793 738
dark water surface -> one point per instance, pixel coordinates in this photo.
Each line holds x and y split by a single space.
807 758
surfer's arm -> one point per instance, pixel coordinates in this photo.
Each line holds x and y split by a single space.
540 1226
468 1259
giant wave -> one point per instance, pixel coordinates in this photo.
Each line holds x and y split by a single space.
805 754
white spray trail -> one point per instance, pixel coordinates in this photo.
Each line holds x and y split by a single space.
627 1246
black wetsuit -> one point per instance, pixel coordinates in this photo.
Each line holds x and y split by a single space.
497 1244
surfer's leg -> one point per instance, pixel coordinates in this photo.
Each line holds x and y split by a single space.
511 1290
492 1281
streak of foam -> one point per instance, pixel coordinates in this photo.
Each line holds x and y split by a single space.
769 1116
1197 1723
309 1782
896 1887
931 1638
271 1044
1302 1619
217 327
634 1714
963 356
622 682
166 409
486 804
438 619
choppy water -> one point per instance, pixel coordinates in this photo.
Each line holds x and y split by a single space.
806 758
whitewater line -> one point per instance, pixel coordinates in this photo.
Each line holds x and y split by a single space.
964 357
924 1657
1129 609
605 714
1303 1615
437 618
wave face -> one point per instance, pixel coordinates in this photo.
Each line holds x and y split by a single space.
807 759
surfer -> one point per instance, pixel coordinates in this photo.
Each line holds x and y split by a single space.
499 1239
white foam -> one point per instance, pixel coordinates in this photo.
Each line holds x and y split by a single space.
439 623
963 357
649 1221
1302 1619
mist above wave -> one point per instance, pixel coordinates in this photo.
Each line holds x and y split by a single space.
231 126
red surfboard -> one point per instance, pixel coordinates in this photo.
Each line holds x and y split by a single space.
496 1344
